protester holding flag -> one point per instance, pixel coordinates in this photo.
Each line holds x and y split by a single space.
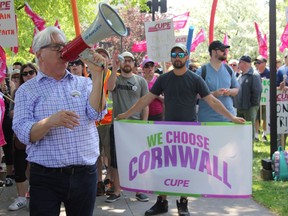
54 117
180 87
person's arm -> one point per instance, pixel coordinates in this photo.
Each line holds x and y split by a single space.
138 106
97 73
217 106
62 118
231 92
145 113
111 82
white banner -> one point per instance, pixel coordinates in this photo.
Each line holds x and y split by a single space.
8 32
282 112
181 158
160 39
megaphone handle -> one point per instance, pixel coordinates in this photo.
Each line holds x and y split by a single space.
87 55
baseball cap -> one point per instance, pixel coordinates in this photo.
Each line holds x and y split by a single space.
261 58
216 45
145 61
180 46
100 49
128 54
245 58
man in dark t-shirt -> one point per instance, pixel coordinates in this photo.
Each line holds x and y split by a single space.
180 87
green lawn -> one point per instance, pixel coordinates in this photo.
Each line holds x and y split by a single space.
271 194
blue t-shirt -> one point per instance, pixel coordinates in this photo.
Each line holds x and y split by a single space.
216 80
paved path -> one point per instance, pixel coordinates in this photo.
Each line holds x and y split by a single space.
129 206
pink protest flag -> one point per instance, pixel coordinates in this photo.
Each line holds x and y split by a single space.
284 39
37 20
57 24
2 113
199 38
180 20
139 46
2 64
262 42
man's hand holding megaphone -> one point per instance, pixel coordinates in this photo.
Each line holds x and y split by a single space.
95 62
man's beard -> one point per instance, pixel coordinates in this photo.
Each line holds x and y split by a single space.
126 69
179 64
222 58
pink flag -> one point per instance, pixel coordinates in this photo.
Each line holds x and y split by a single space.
139 46
2 64
57 24
2 113
225 42
284 39
199 38
262 42
37 20
180 20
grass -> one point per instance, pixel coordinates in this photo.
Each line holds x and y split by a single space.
271 194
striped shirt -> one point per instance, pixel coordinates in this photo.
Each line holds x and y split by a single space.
43 96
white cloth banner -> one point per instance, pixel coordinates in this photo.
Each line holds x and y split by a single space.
182 158
8 32
160 39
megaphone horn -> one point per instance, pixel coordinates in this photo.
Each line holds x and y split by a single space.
107 23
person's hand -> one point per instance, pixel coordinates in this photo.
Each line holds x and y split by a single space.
227 92
95 62
219 92
121 116
64 118
238 120
115 60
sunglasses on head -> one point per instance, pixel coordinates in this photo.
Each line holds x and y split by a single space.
31 72
180 54
148 65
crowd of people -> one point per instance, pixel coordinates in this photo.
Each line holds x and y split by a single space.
62 136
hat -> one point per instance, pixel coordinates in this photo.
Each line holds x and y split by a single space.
261 58
245 58
145 61
100 49
180 46
128 54
216 45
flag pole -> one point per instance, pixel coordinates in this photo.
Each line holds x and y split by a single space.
212 17
77 25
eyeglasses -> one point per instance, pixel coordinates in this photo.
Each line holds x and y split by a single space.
180 55
31 72
54 46
257 62
233 65
222 50
149 65
15 77
76 63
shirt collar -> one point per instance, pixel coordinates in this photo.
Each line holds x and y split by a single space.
41 75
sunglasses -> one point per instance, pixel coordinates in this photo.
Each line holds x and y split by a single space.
54 46
31 72
149 65
180 55
222 50
257 62
233 65
77 63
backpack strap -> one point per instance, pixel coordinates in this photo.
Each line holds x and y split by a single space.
204 70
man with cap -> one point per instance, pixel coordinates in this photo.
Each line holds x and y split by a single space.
126 89
247 100
180 87
260 64
221 81
156 106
